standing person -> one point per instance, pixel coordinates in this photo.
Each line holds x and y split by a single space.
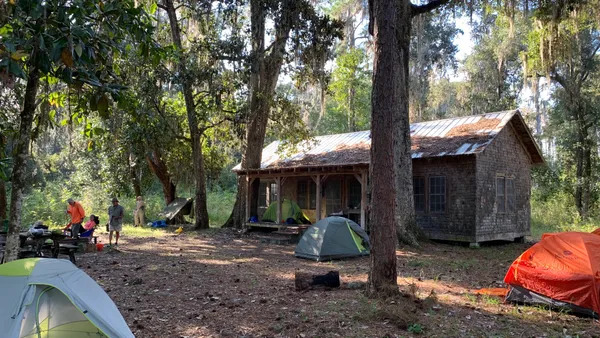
115 221
138 216
77 215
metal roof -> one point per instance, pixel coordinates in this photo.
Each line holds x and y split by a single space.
448 137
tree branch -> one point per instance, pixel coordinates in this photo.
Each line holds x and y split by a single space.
428 7
163 115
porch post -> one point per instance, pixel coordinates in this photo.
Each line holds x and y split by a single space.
318 182
248 186
363 200
278 180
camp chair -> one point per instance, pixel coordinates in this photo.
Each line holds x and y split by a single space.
89 234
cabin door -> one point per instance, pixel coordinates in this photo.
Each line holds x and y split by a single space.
333 196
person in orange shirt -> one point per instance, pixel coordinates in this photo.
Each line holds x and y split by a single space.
77 215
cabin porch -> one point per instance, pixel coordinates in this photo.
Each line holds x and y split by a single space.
340 191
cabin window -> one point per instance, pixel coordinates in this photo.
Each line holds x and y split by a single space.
307 191
354 194
510 194
437 194
302 194
312 186
500 194
333 196
262 195
272 193
419 193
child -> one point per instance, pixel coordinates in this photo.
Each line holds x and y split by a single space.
91 223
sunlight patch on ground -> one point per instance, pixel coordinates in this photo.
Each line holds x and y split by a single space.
213 261
247 260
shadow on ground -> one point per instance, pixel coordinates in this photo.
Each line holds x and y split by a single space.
226 284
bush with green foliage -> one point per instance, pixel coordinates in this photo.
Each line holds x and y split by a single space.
556 213
49 205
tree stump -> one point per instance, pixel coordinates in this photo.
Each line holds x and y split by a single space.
307 281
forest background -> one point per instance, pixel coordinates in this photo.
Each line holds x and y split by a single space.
92 139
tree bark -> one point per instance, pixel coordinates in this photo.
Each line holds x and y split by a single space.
407 229
133 172
384 99
264 73
19 174
159 168
200 208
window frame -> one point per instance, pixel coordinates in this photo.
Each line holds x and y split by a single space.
429 194
503 196
273 195
351 183
510 209
424 194
302 202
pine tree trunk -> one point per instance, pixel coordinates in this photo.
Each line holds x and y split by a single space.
385 100
159 168
19 174
200 208
406 225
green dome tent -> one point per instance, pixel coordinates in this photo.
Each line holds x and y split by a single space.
289 209
333 238
52 298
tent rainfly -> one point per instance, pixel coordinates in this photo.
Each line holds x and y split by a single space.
561 271
52 298
289 209
333 237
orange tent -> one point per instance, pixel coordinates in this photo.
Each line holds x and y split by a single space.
561 270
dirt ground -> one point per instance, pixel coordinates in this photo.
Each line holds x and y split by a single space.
221 283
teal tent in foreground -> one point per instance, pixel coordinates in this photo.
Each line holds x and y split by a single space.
333 238
52 298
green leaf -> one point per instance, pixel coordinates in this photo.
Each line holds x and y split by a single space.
79 50
19 55
153 8
6 29
98 131
16 69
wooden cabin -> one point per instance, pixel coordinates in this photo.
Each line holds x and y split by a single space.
471 177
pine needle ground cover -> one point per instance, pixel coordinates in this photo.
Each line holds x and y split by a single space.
221 283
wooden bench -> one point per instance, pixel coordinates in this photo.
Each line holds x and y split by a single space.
67 249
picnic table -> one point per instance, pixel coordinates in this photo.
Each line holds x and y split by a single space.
35 244
38 245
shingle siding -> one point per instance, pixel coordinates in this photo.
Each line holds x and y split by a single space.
457 222
505 156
